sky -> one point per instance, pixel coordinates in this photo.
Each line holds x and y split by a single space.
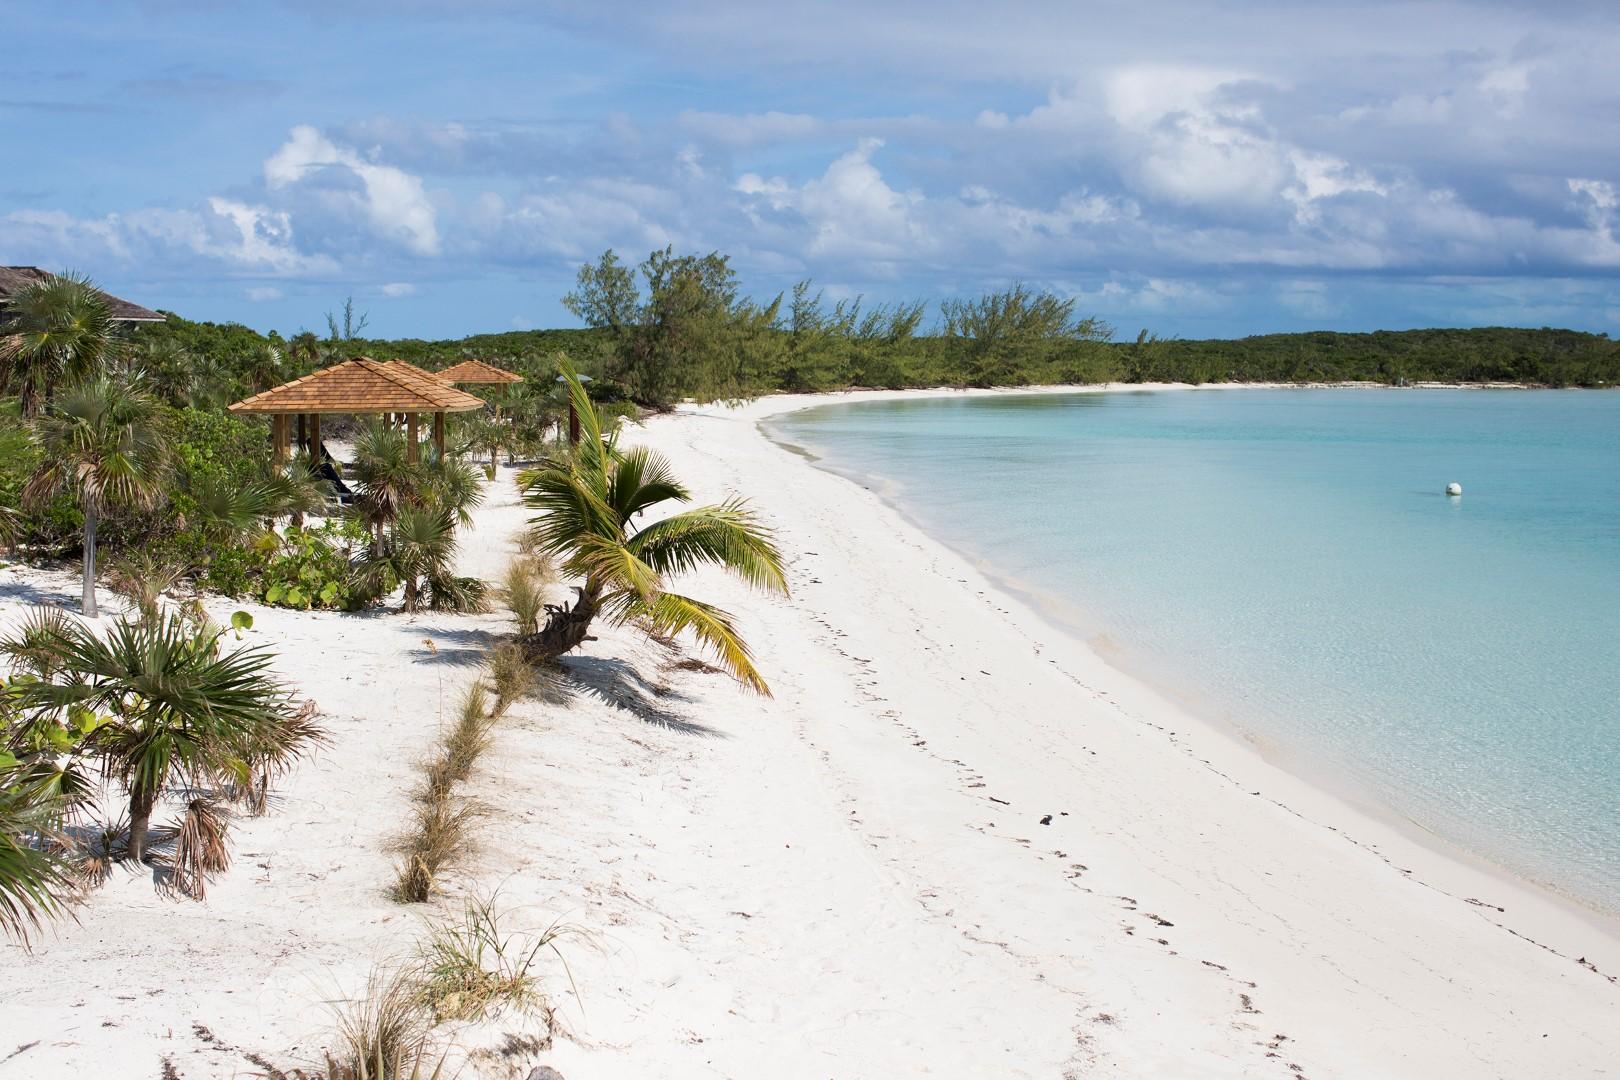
1194 169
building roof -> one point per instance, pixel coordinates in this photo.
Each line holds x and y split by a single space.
476 371
14 279
361 385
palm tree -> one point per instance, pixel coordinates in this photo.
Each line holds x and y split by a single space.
451 485
176 710
292 490
36 883
420 554
386 479
57 330
107 443
590 502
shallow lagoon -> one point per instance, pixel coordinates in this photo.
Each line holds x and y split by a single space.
1286 561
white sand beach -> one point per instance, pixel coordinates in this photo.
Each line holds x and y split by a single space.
851 879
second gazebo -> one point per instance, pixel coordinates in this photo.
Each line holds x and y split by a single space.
361 386
478 373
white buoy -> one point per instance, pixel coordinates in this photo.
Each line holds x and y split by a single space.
1453 488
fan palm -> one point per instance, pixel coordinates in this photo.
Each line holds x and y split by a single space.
57 330
108 443
225 510
36 883
451 485
420 554
293 489
589 504
386 480
176 709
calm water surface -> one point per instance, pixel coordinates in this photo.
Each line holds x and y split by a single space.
1287 561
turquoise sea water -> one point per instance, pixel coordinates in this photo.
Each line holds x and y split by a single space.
1286 560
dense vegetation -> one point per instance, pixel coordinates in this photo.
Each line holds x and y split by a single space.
679 326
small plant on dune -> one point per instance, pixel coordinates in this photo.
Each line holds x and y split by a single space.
590 503
511 674
524 594
469 737
474 966
383 1034
142 576
418 552
441 832
157 706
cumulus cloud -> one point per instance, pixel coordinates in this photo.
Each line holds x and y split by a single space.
236 236
1146 158
392 199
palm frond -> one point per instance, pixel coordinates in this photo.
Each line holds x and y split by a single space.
728 535
671 614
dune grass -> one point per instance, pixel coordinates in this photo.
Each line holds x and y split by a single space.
471 967
384 1033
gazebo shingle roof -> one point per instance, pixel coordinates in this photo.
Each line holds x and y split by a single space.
476 371
14 279
361 385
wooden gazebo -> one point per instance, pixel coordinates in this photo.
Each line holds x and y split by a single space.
477 373
361 385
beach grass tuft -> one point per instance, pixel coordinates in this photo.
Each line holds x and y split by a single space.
383 1034
511 675
442 831
473 966
524 593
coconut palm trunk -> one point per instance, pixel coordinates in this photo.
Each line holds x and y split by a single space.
566 628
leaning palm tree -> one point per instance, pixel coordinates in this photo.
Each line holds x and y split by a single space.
176 711
590 502
108 444
57 330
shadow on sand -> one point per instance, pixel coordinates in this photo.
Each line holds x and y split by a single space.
623 687
453 647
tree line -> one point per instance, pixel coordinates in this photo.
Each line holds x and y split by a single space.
680 326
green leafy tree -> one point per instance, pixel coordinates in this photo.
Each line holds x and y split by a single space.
692 334
58 330
589 504
107 443
1008 336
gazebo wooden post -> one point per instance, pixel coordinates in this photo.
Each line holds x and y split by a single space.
410 436
303 435
278 438
438 434
315 440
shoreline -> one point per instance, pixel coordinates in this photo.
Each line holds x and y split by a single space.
1361 908
1081 627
